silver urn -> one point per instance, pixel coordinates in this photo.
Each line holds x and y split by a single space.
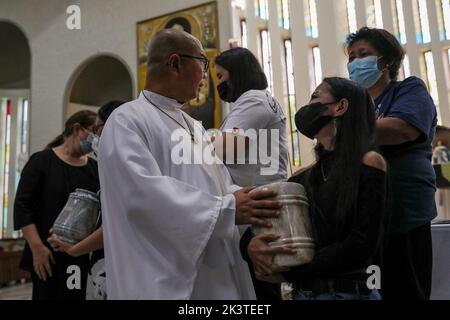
293 224
79 217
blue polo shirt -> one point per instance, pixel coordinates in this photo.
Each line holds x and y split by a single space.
413 180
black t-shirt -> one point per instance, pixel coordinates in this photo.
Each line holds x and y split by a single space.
349 245
44 188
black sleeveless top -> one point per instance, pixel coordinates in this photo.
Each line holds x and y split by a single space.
349 245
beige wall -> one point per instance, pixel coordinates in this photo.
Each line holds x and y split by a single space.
107 27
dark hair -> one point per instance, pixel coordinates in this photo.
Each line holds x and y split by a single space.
385 43
84 118
355 137
245 71
105 110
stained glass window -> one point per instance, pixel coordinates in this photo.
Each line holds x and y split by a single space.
12 157
431 80
284 15
312 29
421 20
291 101
266 57
351 16
5 161
444 18
399 21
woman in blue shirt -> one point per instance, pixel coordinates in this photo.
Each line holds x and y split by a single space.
406 123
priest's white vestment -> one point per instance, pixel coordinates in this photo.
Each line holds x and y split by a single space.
169 229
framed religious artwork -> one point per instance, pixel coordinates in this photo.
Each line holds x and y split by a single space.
200 21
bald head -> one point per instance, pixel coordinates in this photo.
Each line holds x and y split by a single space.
166 43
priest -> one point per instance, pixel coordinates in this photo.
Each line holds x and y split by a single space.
169 225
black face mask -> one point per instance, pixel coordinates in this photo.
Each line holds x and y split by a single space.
224 91
310 119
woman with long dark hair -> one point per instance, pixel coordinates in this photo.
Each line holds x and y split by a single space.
46 182
346 188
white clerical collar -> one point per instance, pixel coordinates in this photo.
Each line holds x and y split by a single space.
161 101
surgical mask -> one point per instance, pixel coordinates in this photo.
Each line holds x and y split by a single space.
310 119
365 71
90 144
224 91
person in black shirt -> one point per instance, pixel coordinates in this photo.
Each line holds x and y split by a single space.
347 192
46 182
96 283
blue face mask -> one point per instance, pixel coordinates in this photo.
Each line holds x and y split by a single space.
90 144
365 71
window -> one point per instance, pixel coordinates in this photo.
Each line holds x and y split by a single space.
5 149
351 16
444 19
431 80
244 33
317 67
312 29
291 102
399 21
421 20
266 56
262 9
14 128
374 15
284 20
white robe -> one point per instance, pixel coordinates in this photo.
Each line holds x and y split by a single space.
169 229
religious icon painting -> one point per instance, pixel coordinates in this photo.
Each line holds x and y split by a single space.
200 21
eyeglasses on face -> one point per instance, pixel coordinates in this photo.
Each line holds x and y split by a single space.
202 58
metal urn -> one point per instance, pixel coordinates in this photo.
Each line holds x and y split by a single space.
293 224
79 217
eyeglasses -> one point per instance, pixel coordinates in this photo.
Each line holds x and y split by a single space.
202 58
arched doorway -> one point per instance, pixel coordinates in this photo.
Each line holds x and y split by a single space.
98 80
15 61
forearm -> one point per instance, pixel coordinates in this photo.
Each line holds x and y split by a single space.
31 234
394 131
91 243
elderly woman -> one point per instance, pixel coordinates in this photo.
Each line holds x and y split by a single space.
406 126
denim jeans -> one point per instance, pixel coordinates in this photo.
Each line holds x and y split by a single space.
308 295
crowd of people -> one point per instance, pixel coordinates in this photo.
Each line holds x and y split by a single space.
182 229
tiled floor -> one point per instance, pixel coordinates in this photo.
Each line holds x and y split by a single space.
16 292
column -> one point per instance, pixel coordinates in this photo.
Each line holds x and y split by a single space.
252 28
411 44
332 34
276 54
302 66
388 21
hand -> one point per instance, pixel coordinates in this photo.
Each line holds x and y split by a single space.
41 262
59 245
250 208
262 254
